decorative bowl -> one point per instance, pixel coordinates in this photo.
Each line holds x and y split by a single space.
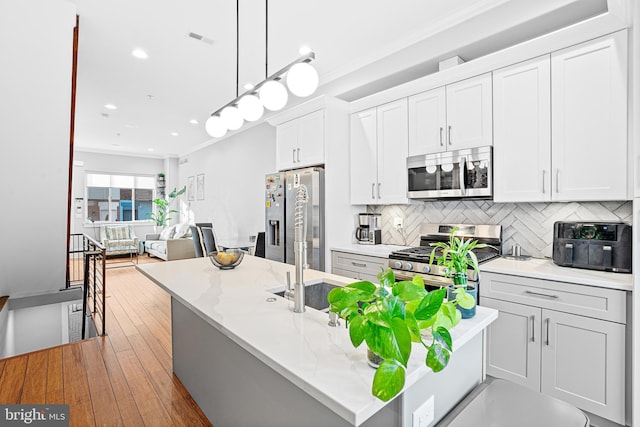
227 259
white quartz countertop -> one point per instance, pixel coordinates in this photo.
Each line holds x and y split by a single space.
545 269
300 346
382 251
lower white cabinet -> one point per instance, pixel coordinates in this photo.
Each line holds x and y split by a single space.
359 267
537 343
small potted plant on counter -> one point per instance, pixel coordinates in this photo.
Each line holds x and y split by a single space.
457 256
390 317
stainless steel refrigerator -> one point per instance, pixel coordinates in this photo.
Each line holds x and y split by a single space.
280 194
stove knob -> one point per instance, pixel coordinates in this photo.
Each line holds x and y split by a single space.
408 266
426 269
398 264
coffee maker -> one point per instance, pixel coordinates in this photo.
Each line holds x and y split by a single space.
369 231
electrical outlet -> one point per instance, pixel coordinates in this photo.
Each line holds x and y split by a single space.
425 414
398 223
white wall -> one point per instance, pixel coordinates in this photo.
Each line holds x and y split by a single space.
234 171
107 163
36 40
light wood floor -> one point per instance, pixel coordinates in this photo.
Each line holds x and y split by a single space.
123 379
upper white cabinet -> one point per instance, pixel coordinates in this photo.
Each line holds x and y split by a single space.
560 125
452 117
522 132
379 146
589 120
300 142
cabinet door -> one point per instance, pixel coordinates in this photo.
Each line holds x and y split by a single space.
583 362
589 116
286 145
310 139
469 122
393 146
513 343
427 122
363 146
522 132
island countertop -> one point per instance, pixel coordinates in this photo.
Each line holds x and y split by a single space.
301 347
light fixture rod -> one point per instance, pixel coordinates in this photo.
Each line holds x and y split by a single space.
275 76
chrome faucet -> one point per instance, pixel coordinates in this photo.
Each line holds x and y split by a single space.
300 248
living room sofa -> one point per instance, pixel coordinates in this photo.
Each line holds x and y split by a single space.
174 242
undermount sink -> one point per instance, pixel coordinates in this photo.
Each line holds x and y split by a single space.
315 295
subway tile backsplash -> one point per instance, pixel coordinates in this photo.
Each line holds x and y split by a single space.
529 224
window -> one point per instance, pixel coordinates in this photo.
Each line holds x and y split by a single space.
119 197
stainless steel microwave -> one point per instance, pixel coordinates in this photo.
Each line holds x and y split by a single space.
452 174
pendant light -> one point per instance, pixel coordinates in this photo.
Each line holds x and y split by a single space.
301 78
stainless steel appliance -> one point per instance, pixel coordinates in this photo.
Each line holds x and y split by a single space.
601 246
407 263
369 231
280 193
451 174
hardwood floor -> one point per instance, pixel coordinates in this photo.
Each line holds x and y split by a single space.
123 379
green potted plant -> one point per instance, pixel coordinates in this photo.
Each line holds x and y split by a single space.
390 317
457 256
161 216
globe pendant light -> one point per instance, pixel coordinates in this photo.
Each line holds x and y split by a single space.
215 127
302 79
273 95
231 118
251 109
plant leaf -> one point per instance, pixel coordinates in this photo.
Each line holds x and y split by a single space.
386 277
388 380
402 338
437 357
430 304
408 291
389 343
357 328
442 336
393 307
412 326
465 300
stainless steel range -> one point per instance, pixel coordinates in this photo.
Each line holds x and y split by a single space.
407 263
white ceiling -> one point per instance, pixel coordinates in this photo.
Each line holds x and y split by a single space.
357 43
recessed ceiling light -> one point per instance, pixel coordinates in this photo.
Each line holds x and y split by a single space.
194 121
110 107
248 86
149 149
174 134
304 50
139 53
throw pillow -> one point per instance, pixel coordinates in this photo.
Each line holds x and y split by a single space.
167 233
181 231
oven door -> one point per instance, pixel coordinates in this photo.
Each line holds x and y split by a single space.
431 282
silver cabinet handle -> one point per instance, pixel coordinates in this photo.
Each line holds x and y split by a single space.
541 294
358 264
544 172
373 188
557 180
293 154
449 135
533 328
441 140
546 341
298 155
379 190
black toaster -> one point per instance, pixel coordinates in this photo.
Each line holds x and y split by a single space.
604 246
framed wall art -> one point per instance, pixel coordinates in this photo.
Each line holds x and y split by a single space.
200 187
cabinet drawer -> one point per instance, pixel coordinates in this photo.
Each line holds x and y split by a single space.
368 265
599 303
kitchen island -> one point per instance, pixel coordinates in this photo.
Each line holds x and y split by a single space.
248 360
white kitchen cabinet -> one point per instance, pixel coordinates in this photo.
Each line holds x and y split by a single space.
561 339
469 113
451 117
589 117
356 266
522 132
300 142
379 146
427 122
